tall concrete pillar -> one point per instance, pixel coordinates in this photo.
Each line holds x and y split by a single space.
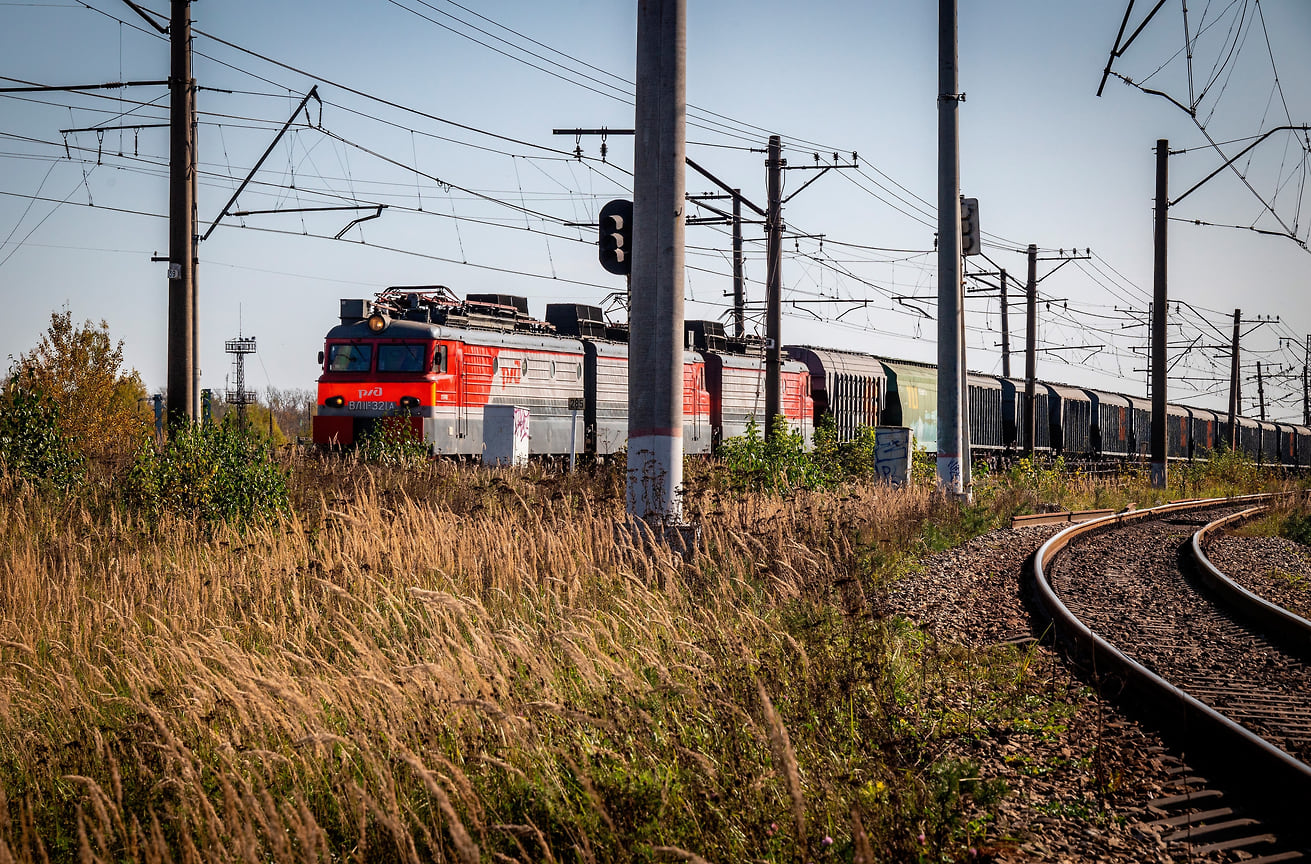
655 360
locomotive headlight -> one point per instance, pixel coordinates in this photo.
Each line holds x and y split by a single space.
409 402
378 322
335 401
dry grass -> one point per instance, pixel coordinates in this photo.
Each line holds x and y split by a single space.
463 665
458 664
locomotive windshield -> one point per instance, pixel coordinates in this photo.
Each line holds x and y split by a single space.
402 358
350 358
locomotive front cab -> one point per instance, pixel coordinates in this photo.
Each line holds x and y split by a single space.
369 377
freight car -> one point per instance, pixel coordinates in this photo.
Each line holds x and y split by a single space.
1013 415
1069 415
848 388
435 362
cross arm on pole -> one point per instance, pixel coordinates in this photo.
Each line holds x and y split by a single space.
313 94
1240 154
147 16
722 185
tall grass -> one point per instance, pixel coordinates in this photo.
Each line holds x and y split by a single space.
459 664
411 672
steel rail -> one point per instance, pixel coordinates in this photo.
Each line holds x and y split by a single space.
1281 782
1292 632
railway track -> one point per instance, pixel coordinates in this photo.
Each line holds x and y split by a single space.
1225 677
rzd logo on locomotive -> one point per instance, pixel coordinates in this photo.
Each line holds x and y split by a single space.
372 391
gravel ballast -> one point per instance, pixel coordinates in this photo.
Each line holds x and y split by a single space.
1076 794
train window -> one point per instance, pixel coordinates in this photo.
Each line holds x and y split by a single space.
350 358
407 357
439 359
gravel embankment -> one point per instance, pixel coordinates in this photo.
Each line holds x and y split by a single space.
1274 568
971 596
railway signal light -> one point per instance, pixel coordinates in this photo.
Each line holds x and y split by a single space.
969 227
616 237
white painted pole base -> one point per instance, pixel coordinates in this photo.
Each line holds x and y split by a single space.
950 480
655 478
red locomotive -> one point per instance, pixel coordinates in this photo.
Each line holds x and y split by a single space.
438 361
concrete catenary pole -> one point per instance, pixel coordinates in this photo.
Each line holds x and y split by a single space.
1160 306
1031 354
1005 330
655 371
1235 384
952 453
773 281
181 221
1306 386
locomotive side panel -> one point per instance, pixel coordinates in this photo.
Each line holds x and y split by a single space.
698 431
796 402
605 395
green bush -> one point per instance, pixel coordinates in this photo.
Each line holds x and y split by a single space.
32 443
393 441
779 462
1297 527
783 462
212 473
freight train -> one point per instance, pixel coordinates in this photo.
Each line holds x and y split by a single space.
435 361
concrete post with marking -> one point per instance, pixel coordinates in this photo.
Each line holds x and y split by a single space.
655 370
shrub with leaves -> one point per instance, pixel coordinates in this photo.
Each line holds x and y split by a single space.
33 444
392 441
212 473
778 462
81 368
784 462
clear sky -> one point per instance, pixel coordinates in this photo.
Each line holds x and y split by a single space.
445 113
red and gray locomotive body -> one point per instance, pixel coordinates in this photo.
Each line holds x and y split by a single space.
422 357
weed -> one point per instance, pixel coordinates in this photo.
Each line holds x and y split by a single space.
393 441
208 473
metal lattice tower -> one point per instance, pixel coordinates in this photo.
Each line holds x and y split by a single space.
241 397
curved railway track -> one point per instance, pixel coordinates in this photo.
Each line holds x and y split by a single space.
1223 675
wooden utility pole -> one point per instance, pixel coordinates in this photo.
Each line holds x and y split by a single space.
1235 393
655 370
1306 386
775 164
1160 307
183 386
953 454
1260 390
773 281
739 289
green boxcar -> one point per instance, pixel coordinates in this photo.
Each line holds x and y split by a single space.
912 400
